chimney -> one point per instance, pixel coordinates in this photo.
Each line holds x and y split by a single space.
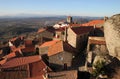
94 26
10 44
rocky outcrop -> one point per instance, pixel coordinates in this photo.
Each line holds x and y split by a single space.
112 35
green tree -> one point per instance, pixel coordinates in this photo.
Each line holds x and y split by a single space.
99 68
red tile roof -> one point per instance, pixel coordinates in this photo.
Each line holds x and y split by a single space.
3 61
20 61
81 30
59 47
18 74
94 22
49 43
39 68
56 48
11 55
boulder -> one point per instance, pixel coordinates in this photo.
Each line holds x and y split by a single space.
112 35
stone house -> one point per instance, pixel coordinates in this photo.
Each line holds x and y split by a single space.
48 32
59 33
61 55
23 67
43 49
96 47
78 36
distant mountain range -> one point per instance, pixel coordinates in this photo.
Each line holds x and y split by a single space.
45 16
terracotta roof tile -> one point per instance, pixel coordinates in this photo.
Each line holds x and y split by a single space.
36 65
20 61
39 68
18 74
64 75
56 48
11 55
3 61
81 30
49 43
94 22
59 47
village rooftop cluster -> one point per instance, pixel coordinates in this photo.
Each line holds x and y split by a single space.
67 50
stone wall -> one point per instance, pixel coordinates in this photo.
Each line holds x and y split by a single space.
43 50
57 61
81 42
112 35
71 37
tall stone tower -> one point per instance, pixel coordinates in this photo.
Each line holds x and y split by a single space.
112 35
69 19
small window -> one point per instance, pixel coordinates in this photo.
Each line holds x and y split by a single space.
60 58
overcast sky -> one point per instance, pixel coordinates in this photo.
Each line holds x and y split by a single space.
60 7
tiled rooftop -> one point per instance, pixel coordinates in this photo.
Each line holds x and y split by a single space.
59 47
18 74
39 68
81 30
11 55
20 61
36 65
93 22
49 43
